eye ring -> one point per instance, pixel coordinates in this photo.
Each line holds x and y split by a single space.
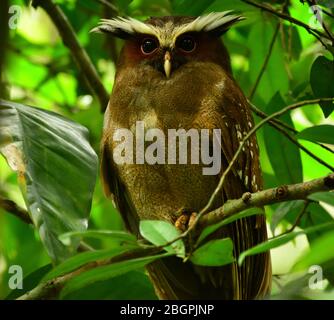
186 44
148 46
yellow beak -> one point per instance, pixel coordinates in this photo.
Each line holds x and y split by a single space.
167 64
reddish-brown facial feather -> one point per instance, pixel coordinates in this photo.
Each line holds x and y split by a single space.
208 48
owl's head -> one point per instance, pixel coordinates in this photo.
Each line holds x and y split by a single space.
167 43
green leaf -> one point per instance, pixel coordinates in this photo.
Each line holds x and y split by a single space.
56 169
322 79
283 210
30 282
314 215
107 272
292 42
281 240
80 259
161 232
321 252
133 285
323 134
243 214
117 236
327 197
275 76
214 253
284 156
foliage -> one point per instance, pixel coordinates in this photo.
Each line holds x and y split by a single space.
53 150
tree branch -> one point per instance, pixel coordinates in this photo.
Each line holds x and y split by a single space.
52 288
79 54
12 208
298 191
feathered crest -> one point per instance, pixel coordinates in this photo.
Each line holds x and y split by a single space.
123 27
215 22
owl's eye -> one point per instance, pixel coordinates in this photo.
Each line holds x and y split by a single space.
186 43
149 45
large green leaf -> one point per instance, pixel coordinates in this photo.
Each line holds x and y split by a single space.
283 155
322 79
327 197
161 232
56 169
107 272
323 134
275 76
281 240
214 253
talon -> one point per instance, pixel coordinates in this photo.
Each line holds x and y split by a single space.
192 219
181 222
185 220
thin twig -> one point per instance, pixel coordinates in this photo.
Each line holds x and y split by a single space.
12 208
316 33
263 115
265 63
109 5
328 13
79 54
312 3
300 146
297 221
280 123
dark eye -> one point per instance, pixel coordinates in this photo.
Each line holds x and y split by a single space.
149 45
187 44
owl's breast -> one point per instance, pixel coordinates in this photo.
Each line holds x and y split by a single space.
188 100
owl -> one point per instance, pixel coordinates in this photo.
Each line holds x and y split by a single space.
175 73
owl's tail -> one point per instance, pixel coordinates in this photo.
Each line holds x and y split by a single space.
175 280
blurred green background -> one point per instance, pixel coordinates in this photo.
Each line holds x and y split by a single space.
39 71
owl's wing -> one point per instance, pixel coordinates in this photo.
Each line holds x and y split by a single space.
254 275
113 187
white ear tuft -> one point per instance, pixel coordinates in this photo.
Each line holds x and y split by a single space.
123 27
218 22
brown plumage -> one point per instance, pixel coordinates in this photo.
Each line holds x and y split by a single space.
174 72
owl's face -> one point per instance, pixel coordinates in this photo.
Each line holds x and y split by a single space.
165 44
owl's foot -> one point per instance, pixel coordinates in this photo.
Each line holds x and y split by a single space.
185 220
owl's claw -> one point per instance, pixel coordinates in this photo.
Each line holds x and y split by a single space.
185 220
